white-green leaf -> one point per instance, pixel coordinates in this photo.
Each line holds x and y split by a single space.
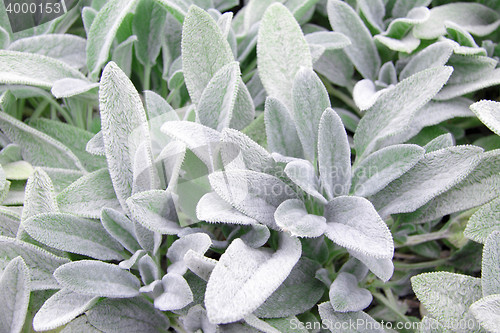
124 128
483 222
291 216
362 51
215 107
79 324
472 17
38 148
39 195
69 87
65 47
490 270
339 321
198 242
393 110
176 295
121 315
123 54
487 312
41 263
73 234
310 99
95 145
155 210
489 114
15 295
203 141
244 108
88 195
97 278
103 31
382 167
448 296
433 175
297 294
484 179
353 222
34 70
245 277
211 208
260 325
120 227
148 25
204 51
436 54
302 173
347 296
281 51
62 307
382 268
431 325
334 155
281 133
450 91
440 142
255 194
199 264
9 222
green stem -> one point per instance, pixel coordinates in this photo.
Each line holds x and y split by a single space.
90 111
382 299
419 265
341 96
249 70
175 325
39 109
147 77
419 239
61 110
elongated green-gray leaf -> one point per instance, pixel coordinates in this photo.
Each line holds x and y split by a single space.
148 35
489 114
393 110
65 47
362 51
155 210
255 194
353 222
204 51
334 155
291 216
434 174
484 221
448 296
245 277
302 173
34 70
211 208
61 308
484 179
216 104
310 100
15 295
486 311
281 51
103 31
132 314
38 148
124 128
383 166
73 234
97 278
434 55
473 17
341 320
347 296
41 263
120 227
297 294
281 132
490 270
88 195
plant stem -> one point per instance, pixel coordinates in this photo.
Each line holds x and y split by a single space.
147 77
61 110
418 239
419 265
90 111
341 96
39 109
382 299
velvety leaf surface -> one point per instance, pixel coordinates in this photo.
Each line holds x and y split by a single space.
15 295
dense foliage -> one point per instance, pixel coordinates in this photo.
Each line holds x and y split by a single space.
270 166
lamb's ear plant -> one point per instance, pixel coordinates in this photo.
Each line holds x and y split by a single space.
286 166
